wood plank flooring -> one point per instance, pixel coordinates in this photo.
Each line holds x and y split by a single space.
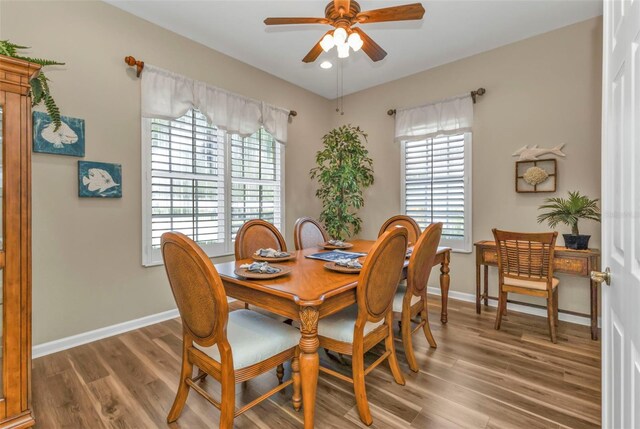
476 378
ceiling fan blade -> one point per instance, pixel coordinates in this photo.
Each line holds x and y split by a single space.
315 52
397 13
285 21
371 48
344 4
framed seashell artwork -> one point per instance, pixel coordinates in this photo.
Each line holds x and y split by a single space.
99 180
536 176
68 140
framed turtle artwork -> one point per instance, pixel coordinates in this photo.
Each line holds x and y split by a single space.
99 180
540 175
68 139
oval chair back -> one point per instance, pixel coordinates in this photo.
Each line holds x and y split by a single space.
406 221
197 289
380 275
422 258
257 234
308 232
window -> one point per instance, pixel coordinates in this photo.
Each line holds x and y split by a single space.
437 186
206 183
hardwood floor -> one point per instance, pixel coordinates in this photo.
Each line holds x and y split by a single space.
476 378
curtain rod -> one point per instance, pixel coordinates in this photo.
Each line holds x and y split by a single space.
478 92
131 61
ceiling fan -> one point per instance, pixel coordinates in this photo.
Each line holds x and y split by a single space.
343 15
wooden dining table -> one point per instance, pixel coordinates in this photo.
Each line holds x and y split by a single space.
307 294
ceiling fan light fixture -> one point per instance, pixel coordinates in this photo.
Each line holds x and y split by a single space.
327 42
340 36
343 50
355 41
326 65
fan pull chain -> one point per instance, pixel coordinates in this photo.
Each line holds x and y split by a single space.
339 88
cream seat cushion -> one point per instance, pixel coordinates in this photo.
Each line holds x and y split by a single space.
399 297
254 338
530 284
339 326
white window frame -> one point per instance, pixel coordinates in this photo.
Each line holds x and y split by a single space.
466 245
152 257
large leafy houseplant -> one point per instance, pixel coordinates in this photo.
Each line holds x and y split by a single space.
569 211
40 92
343 170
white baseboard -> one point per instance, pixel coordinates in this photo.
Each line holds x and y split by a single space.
98 334
468 297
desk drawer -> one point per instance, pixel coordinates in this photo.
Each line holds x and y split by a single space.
561 264
575 266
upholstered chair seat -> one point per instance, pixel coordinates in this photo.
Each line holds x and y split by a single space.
339 326
254 338
399 298
531 284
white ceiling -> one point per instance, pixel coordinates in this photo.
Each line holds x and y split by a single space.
450 30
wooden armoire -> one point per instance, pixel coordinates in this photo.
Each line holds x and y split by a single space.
15 242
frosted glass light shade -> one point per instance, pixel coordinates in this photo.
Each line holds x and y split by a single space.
340 35
327 42
343 50
355 41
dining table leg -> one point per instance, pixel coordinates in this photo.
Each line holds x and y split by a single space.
309 362
444 286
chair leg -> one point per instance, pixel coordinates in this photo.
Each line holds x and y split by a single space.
551 315
501 300
426 328
407 341
227 399
360 389
393 358
295 376
280 373
183 387
555 304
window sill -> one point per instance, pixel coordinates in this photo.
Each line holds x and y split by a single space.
217 256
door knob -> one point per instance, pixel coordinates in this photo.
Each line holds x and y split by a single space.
602 276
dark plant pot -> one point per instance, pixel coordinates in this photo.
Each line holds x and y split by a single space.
578 242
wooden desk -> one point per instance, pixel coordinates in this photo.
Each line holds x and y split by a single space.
578 263
308 294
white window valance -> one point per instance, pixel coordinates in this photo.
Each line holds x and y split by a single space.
446 117
167 95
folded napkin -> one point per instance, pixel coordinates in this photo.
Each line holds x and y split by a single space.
271 253
348 263
260 267
337 243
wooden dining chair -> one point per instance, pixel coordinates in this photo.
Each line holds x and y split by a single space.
230 347
525 266
411 300
257 234
308 232
357 329
402 220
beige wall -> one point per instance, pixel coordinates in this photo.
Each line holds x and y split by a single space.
544 90
87 270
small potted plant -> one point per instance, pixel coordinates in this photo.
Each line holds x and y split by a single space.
569 211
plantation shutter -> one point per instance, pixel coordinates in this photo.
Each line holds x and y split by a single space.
255 180
187 180
437 186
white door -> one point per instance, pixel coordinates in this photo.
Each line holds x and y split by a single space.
621 215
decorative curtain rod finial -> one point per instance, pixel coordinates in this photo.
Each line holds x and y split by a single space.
476 93
131 61
391 112
293 114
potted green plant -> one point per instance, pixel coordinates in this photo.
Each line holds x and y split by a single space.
343 170
569 211
40 92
